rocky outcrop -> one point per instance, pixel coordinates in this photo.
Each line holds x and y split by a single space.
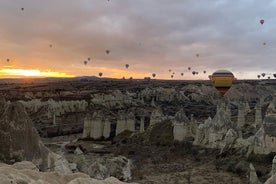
253 178
182 126
114 99
104 167
28 173
53 107
217 132
20 141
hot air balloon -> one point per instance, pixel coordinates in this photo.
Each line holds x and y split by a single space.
170 70
22 9
189 68
182 74
153 75
171 76
204 71
127 65
196 73
8 60
193 72
88 59
197 55
259 76
50 45
264 43
263 74
107 51
262 21
274 75
268 77
85 62
100 74
222 80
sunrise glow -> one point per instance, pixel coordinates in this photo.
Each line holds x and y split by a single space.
31 73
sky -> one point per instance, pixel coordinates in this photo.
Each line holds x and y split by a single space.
55 37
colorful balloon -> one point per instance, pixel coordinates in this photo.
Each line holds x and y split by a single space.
222 80
153 75
262 21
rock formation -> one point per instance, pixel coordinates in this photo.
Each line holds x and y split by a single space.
26 172
182 126
20 141
213 132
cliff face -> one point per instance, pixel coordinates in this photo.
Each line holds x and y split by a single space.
20 141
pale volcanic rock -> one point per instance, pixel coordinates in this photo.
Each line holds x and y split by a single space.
20 141
113 99
10 174
212 133
253 178
182 126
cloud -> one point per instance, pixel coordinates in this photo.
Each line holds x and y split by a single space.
150 35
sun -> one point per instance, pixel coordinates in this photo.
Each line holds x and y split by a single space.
12 72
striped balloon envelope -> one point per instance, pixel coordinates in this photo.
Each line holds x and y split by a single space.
222 80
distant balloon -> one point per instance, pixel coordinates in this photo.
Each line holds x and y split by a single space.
173 73
107 51
262 21
196 73
85 62
259 76
204 71
197 55
130 78
153 75
88 59
193 72
100 74
171 76
127 65
222 80
8 60
189 68
264 43
268 77
170 70
182 74
274 75
51 45
22 9
263 74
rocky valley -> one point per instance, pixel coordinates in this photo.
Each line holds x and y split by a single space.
137 131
